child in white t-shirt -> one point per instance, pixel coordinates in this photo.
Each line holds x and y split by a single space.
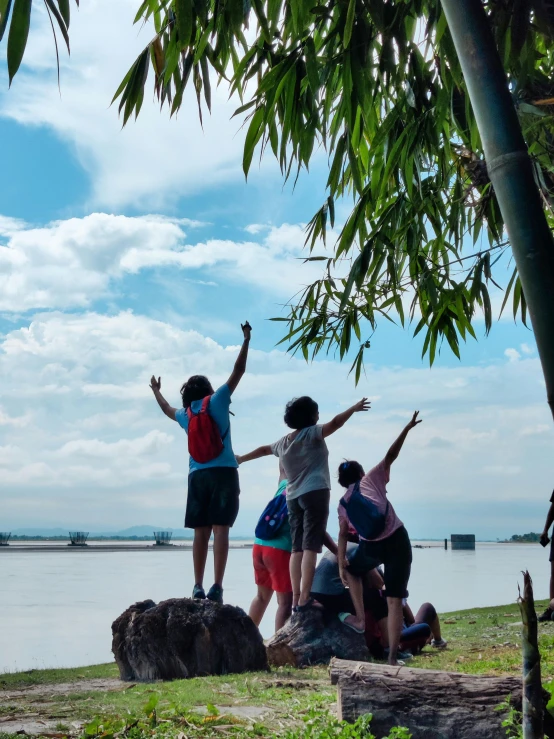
304 457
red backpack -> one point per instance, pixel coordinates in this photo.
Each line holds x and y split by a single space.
205 440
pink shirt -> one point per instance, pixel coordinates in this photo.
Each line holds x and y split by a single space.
374 486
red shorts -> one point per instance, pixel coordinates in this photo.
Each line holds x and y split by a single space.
271 568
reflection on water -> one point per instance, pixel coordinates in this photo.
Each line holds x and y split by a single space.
57 608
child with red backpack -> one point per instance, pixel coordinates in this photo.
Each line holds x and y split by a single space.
213 483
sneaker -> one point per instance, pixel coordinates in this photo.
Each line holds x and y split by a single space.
215 594
198 592
546 616
438 644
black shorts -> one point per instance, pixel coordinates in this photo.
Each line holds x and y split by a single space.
308 516
395 552
213 497
551 558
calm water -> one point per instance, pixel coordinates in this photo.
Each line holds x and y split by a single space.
56 608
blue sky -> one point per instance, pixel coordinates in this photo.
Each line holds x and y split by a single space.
127 253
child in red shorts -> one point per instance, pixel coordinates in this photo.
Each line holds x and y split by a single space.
271 560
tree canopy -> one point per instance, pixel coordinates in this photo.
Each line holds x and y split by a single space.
378 85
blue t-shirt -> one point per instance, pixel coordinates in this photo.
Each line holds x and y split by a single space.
218 408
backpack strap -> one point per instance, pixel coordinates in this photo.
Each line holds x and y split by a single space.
205 402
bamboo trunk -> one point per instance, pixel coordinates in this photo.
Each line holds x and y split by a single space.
533 712
509 168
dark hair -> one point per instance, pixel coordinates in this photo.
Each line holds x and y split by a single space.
195 388
349 473
301 412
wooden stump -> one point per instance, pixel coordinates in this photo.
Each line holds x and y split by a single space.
314 638
430 703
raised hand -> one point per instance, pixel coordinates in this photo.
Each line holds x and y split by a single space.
362 405
413 423
155 384
246 330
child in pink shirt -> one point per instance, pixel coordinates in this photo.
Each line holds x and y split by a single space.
383 539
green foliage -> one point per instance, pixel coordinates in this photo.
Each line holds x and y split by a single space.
513 721
58 10
321 725
317 724
378 85
531 538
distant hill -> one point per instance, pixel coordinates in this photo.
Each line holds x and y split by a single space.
132 531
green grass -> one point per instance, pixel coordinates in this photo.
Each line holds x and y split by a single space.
28 678
480 641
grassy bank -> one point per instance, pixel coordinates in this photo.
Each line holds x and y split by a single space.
285 703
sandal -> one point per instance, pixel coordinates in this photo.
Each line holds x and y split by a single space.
342 619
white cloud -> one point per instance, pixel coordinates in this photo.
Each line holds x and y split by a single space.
526 349
154 160
98 441
74 262
512 354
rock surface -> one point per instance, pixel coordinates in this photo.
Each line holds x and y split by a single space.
182 638
313 638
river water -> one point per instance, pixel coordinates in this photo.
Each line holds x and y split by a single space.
56 608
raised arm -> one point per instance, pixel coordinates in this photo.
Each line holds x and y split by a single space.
339 421
261 451
240 365
394 451
162 402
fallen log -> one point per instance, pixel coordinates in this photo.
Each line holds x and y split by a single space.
314 638
430 703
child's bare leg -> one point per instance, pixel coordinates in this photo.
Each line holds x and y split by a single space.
200 552
221 552
309 561
356 587
296 576
284 601
395 627
260 603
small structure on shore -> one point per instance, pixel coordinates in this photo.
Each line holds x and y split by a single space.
78 538
462 541
163 538
4 538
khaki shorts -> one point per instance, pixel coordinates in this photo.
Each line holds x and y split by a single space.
308 516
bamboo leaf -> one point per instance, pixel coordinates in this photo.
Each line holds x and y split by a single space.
5 6
184 16
61 23
65 11
252 137
19 32
349 25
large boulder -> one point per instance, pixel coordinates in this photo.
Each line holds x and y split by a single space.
182 638
314 638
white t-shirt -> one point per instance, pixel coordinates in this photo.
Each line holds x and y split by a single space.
305 459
